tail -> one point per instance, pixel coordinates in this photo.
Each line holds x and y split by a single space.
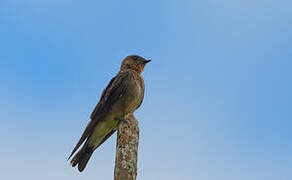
81 158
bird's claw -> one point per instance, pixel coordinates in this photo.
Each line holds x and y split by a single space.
121 119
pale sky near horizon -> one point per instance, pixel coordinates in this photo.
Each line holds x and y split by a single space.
218 90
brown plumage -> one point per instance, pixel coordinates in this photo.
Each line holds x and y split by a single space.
123 95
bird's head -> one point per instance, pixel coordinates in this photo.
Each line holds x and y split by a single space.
134 62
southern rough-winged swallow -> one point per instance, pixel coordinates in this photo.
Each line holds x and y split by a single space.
123 95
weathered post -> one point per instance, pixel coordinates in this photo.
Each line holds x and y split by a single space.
127 149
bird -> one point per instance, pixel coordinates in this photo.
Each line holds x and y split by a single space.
123 95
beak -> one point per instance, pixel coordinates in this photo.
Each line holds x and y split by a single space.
147 61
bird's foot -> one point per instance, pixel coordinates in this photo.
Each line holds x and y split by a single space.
121 119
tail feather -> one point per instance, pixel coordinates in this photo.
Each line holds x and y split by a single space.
81 158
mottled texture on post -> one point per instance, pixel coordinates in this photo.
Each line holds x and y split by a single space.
127 149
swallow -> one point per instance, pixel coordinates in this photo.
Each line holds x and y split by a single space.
122 96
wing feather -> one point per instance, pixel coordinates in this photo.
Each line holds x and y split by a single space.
115 89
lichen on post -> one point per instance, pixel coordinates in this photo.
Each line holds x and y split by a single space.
127 149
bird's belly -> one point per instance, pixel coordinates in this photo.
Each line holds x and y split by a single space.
132 99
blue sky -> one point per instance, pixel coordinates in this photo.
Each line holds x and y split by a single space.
218 91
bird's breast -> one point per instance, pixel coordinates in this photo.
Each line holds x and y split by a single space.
134 94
